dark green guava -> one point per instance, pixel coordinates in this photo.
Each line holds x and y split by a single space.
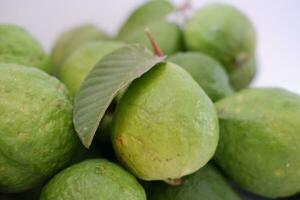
71 40
260 141
222 32
152 15
92 180
79 64
165 126
243 76
205 184
36 130
206 71
20 47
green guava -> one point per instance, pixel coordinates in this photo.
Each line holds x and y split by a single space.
206 184
79 64
71 40
223 32
91 180
243 76
206 71
20 47
165 126
260 140
152 15
36 130
152 11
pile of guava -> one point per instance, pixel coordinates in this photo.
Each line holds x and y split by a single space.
189 127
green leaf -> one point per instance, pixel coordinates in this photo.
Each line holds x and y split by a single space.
111 74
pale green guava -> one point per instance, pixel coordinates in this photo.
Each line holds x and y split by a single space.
71 40
92 180
36 130
20 47
79 64
165 126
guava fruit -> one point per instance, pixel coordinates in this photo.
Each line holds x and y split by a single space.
260 140
164 126
36 131
148 13
153 15
206 71
243 76
223 32
20 47
91 180
71 40
79 64
205 184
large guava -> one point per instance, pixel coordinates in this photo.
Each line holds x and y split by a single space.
206 71
223 32
92 180
260 140
71 40
165 126
152 15
36 131
79 64
205 184
20 47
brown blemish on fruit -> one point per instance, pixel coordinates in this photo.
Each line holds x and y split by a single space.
119 141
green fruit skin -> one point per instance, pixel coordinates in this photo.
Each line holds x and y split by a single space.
260 141
19 47
206 71
244 75
71 40
152 11
206 184
168 35
92 180
36 130
165 126
223 32
79 64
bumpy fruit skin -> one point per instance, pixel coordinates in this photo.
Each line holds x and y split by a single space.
243 76
36 131
148 13
153 15
19 47
223 32
205 184
165 126
71 40
260 141
206 71
92 180
79 64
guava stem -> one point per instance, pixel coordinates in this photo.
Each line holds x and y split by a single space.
154 44
174 182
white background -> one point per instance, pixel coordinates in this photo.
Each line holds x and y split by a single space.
277 24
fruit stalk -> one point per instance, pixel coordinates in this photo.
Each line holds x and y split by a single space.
156 48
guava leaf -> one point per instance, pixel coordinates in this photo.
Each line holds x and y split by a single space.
112 73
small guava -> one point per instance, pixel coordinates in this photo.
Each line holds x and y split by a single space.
79 64
222 32
244 75
92 180
71 40
205 184
152 15
260 141
206 71
36 130
165 126
19 47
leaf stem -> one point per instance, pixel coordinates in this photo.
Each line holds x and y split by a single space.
154 44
